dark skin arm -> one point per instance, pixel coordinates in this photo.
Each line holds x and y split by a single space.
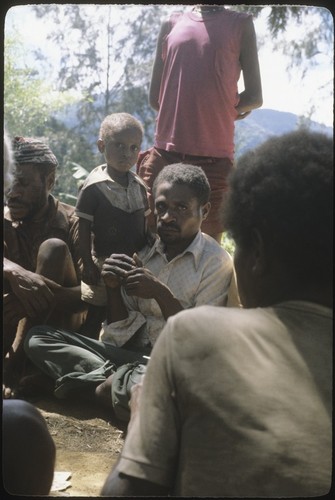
118 484
33 290
114 272
157 70
251 98
69 298
36 292
33 293
91 273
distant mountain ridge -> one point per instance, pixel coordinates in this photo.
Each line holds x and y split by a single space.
249 133
264 123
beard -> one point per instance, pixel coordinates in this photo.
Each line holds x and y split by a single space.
23 211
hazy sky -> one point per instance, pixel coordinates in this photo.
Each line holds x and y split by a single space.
285 91
281 91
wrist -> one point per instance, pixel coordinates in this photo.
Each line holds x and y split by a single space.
113 289
8 267
163 294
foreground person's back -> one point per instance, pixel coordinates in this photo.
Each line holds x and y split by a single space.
252 402
238 402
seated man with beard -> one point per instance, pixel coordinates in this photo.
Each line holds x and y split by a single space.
41 259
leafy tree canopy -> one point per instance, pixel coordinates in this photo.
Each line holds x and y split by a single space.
104 59
24 87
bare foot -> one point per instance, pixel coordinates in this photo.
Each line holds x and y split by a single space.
8 392
103 392
10 383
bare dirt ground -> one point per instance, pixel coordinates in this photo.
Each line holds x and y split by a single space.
88 440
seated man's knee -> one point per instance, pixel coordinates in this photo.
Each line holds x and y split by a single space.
32 339
54 261
53 249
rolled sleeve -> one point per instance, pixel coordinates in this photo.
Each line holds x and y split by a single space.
82 215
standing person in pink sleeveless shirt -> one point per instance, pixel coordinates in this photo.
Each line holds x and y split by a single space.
199 59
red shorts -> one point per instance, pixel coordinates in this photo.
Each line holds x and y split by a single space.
152 161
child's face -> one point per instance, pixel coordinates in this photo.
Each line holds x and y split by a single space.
121 149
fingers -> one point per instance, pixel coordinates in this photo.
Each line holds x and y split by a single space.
121 269
121 257
35 299
115 269
140 283
119 265
33 292
137 260
132 288
30 303
39 300
243 115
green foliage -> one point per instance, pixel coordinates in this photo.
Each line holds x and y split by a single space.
311 40
72 150
29 100
228 244
305 50
317 20
30 107
79 172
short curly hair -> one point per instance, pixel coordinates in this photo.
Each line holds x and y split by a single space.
284 189
116 122
182 173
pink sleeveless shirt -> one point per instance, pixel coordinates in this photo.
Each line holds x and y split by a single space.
198 92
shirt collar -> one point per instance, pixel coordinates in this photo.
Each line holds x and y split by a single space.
100 174
195 248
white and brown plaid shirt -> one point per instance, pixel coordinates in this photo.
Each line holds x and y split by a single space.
200 275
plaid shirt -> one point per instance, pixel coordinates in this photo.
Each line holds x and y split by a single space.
200 275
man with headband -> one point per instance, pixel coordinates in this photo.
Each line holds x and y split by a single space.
41 260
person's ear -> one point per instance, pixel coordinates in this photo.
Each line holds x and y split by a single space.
258 254
205 209
50 181
101 146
